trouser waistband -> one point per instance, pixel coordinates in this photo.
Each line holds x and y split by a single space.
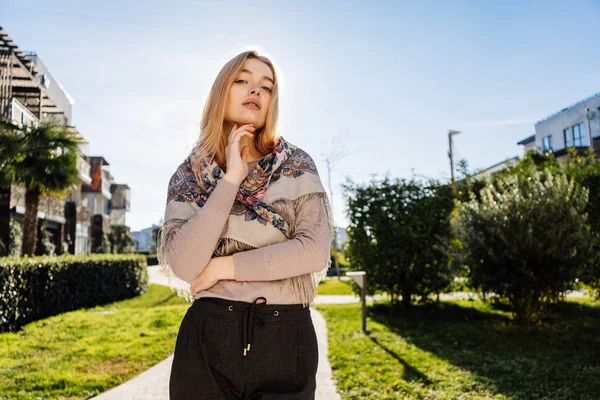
255 312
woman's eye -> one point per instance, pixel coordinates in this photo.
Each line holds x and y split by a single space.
268 89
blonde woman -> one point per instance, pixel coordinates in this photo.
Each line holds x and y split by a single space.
246 237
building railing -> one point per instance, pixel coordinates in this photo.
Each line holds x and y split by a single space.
106 182
19 114
568 108
84 168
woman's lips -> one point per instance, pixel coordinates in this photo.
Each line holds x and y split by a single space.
252 106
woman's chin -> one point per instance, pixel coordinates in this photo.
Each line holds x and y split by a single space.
257 124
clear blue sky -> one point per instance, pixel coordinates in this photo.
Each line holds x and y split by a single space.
390 78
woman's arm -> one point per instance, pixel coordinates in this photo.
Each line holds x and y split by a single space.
193 245
308 251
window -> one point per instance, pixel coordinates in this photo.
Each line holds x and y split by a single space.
568 135
82 239
578 134
574 135
547 143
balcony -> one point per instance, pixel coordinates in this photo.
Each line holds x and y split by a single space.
20 81
120 197
106 182
19 114
84 168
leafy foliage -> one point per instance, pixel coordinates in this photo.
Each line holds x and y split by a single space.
155 230
32 288
527 238
15 240
398 233
121 240
585 170
105 245
48 247
43 158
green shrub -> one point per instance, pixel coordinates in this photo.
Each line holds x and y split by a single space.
16 239
48 247
527 239
399 233
32 288
121 240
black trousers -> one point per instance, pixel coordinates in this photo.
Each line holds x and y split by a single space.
232 350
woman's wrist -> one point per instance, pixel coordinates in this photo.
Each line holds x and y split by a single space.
223 268
230 179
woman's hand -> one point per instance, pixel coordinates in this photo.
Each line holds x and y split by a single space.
218 268
237 167
207 279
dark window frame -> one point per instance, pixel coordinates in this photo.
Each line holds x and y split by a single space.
547 143
579 138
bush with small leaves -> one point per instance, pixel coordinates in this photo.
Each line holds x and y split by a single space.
527 238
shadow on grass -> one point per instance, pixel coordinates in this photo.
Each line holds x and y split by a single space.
164 301
446 311
410 372
558 360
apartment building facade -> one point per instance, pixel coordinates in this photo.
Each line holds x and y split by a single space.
577 125
30 94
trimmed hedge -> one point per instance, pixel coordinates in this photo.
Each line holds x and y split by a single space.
32 288
151 258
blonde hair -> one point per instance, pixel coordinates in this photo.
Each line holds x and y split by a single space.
213 140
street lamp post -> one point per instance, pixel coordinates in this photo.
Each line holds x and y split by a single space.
450 134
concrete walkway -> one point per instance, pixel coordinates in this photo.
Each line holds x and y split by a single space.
350 298
153 384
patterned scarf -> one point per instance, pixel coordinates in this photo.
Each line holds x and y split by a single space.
280 183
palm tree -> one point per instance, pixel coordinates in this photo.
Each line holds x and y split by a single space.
44 159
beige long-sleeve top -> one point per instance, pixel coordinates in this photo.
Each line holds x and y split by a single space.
255 270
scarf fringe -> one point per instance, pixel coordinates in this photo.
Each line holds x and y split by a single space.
304 286
163 241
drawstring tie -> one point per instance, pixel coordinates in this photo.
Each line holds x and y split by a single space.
249 317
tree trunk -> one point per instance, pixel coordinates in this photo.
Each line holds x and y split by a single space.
30 223
406 298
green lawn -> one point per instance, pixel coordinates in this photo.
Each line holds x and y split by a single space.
83 353
464 350
334 286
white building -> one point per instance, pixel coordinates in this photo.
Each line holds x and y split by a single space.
489 171
577 125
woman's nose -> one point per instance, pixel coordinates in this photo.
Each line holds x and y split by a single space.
255 90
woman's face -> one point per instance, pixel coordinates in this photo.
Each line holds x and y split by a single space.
253 84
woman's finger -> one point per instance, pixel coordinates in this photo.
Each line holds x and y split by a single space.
243 128
238 135
245 152
233 129
237 129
